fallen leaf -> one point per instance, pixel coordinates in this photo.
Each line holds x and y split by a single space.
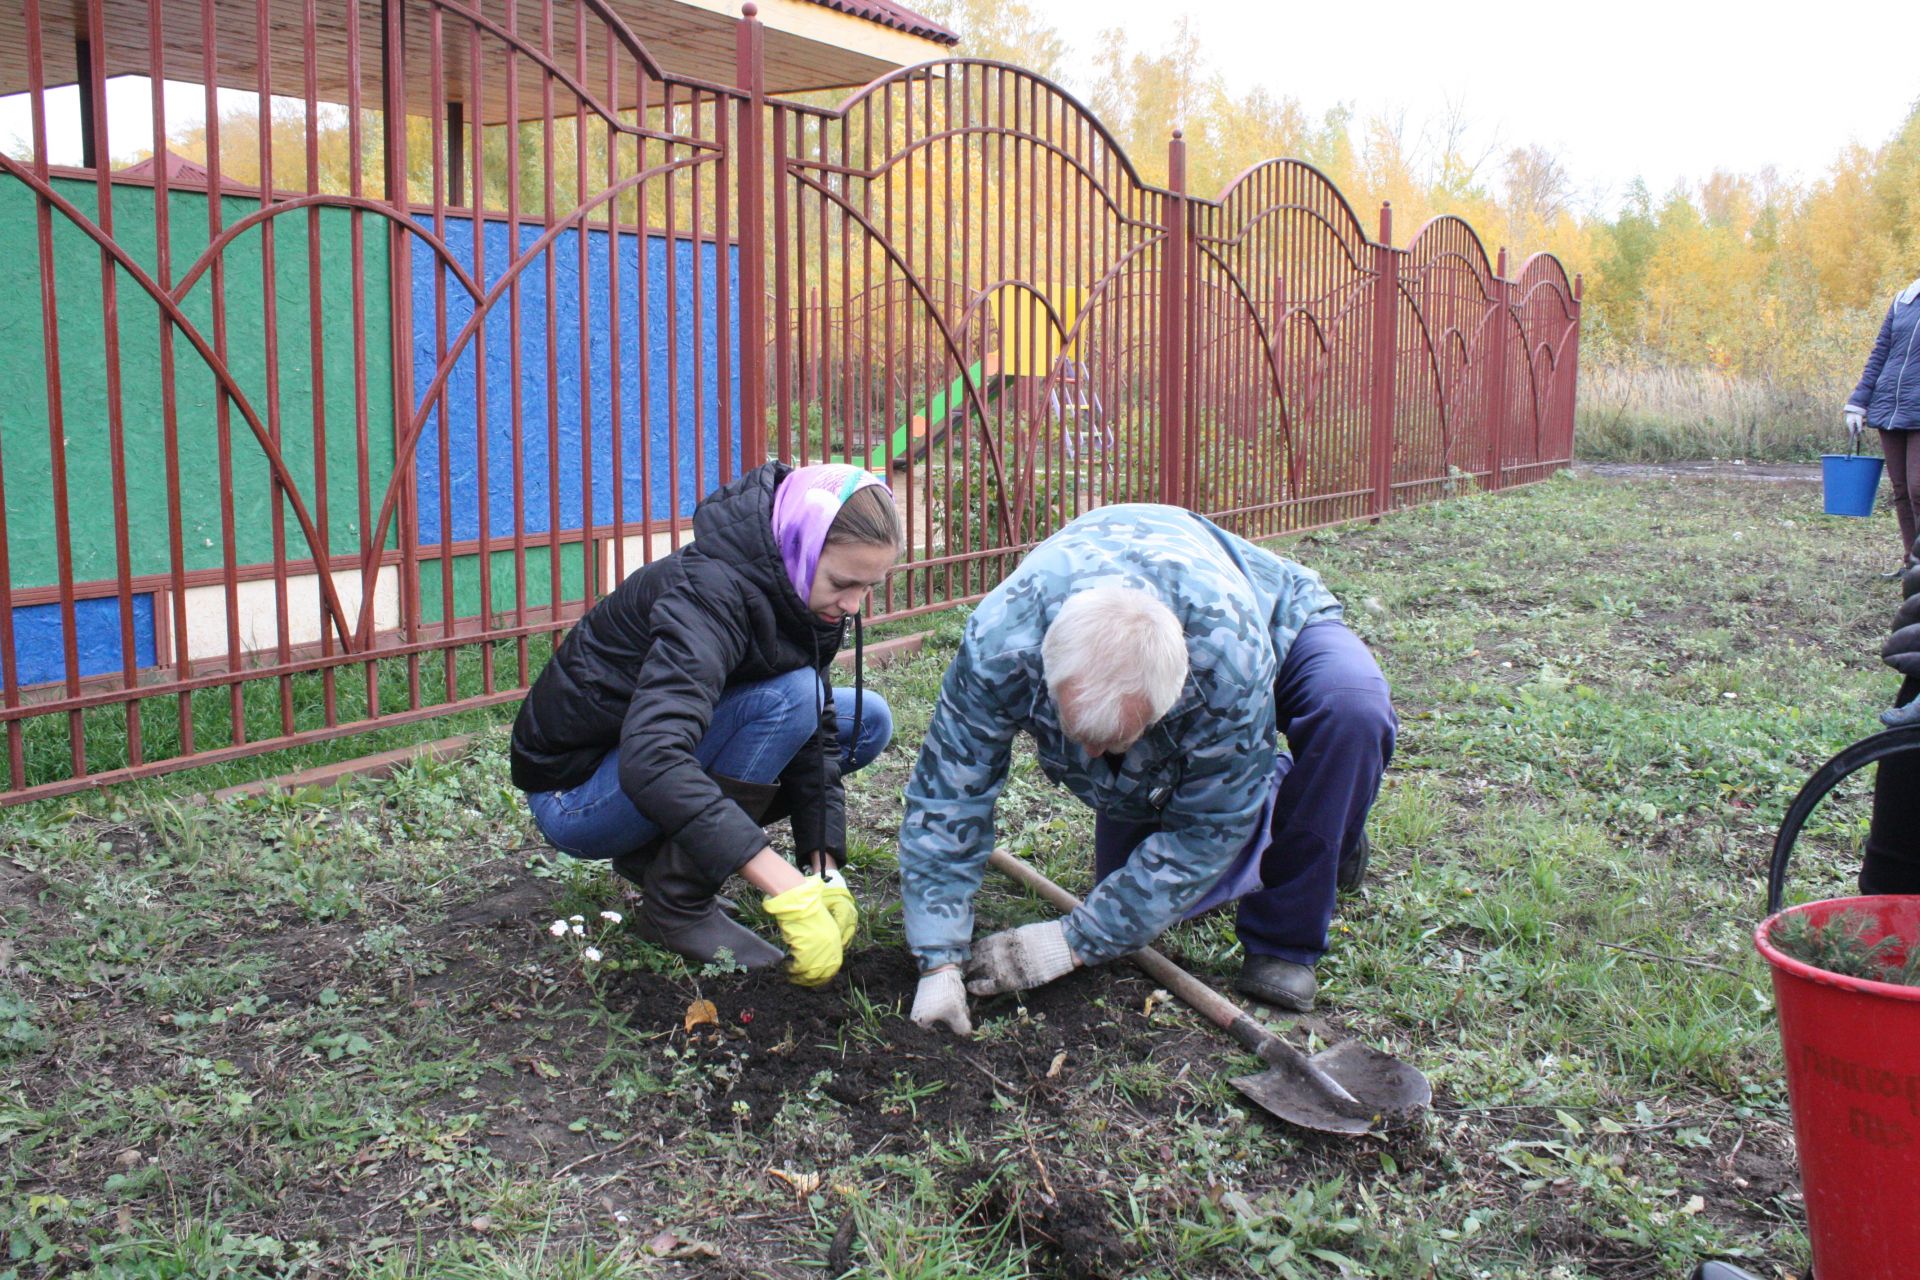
669 1245
1059 1061
803 1184
482 1224
701 1013
1694 1205
1157 998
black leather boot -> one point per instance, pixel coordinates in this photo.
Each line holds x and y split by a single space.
680 908
1353 865
678 911
1278 982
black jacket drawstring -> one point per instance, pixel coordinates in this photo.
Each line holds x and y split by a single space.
859 685
859 697
859 703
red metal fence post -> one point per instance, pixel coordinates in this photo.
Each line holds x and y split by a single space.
750 171
398 193
1173 328
1572 381
1386 347
1502 401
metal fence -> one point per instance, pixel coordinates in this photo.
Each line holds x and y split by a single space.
453 311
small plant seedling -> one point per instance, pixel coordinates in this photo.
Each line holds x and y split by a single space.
1840 946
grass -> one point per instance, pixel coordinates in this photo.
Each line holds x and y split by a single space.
328 1033
1635 412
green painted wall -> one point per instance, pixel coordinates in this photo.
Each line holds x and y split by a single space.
466 582
82 333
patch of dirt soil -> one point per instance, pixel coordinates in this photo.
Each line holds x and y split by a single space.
1070 1224
894 1079
1763 472
1756 1182
20 889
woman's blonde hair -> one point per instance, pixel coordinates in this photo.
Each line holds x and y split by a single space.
868 518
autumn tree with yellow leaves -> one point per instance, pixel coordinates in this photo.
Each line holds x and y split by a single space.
1726 317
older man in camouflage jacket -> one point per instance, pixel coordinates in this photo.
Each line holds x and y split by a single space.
1155 659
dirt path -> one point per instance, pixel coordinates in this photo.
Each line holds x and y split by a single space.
1770 472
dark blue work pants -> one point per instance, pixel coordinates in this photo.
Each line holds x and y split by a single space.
1333 707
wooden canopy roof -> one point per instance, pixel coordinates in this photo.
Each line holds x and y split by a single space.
809 44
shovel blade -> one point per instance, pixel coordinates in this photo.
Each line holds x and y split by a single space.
1390 1092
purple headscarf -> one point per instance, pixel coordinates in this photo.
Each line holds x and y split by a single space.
804 507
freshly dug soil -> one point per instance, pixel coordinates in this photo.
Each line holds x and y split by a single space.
1070 1224
894 1082
787 1036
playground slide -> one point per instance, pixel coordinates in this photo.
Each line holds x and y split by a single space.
948 409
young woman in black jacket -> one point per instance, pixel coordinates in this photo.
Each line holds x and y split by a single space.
692 705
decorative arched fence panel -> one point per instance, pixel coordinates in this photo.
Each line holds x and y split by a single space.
1447 369
1546 325
1284 287
424 327
1006 236
572 302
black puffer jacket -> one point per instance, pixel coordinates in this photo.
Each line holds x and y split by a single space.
643 669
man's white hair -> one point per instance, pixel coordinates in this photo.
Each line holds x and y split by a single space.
1112 649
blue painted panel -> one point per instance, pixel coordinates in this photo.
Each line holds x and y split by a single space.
644 334
38 638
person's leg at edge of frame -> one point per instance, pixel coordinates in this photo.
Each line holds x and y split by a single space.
1891 861
1903 474
756 728
1911 529
1336 713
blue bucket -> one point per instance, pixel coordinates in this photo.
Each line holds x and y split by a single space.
1850 482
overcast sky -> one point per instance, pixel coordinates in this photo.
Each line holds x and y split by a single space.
1665 91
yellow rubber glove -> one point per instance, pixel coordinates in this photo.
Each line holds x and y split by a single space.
839 903
811 932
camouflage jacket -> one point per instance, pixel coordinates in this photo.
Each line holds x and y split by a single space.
1202 771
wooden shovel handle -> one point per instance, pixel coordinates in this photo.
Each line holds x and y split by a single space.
1197 995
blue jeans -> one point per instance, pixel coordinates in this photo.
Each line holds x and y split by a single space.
1333 706
755 731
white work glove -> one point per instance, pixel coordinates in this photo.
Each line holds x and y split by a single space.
1856 419
941 1000
1020 959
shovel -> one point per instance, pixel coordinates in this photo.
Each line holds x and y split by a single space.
1349 1088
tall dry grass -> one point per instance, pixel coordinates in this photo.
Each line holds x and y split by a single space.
1632 411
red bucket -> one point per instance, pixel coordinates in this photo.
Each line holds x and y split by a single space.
1852 1050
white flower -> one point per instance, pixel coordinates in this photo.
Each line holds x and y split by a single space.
611 917
579 931
558 928
591 955
576 919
